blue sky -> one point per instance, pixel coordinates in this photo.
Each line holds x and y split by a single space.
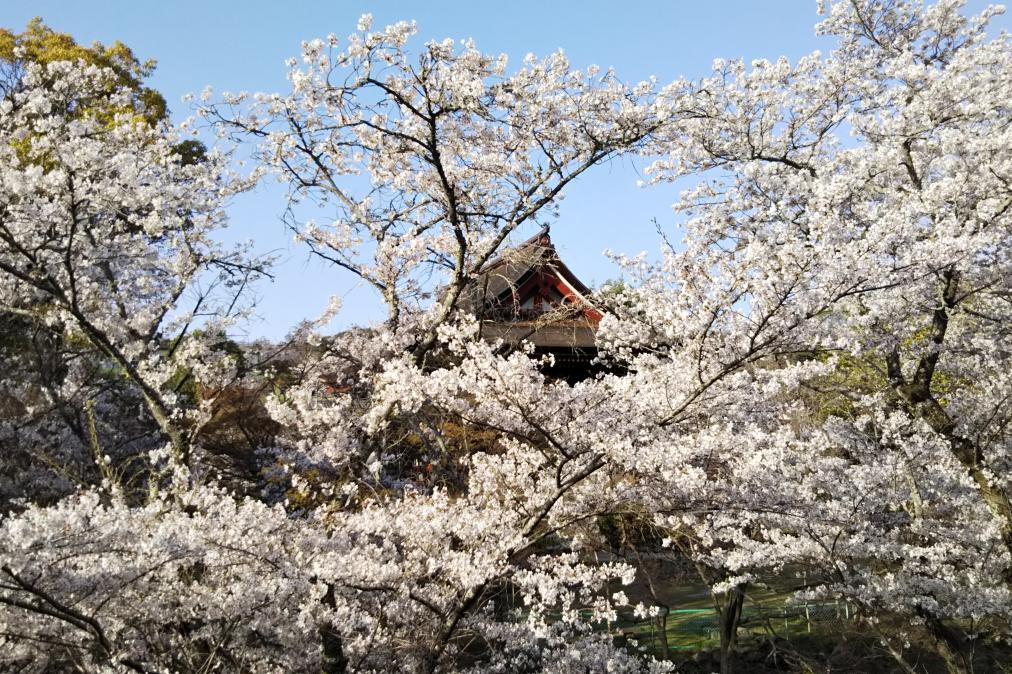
241 46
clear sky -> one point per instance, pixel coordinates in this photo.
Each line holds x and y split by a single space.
242 46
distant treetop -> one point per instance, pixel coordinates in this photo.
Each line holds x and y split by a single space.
39 43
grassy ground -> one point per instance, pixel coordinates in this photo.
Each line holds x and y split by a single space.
777 635
693 624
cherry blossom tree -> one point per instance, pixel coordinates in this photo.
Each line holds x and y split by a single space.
831 343
61 402
106 233
429 163
369 570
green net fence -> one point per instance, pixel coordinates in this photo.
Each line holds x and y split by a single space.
698 628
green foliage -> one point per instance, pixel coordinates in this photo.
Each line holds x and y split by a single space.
39 43
834 396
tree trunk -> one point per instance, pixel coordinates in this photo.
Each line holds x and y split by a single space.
917 394
729 615
948 645
334 660
663 620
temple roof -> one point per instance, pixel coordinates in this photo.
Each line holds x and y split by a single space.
528 293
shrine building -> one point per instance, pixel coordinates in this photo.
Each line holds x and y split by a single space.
528 293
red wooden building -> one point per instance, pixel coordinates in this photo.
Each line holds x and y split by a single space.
528 293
